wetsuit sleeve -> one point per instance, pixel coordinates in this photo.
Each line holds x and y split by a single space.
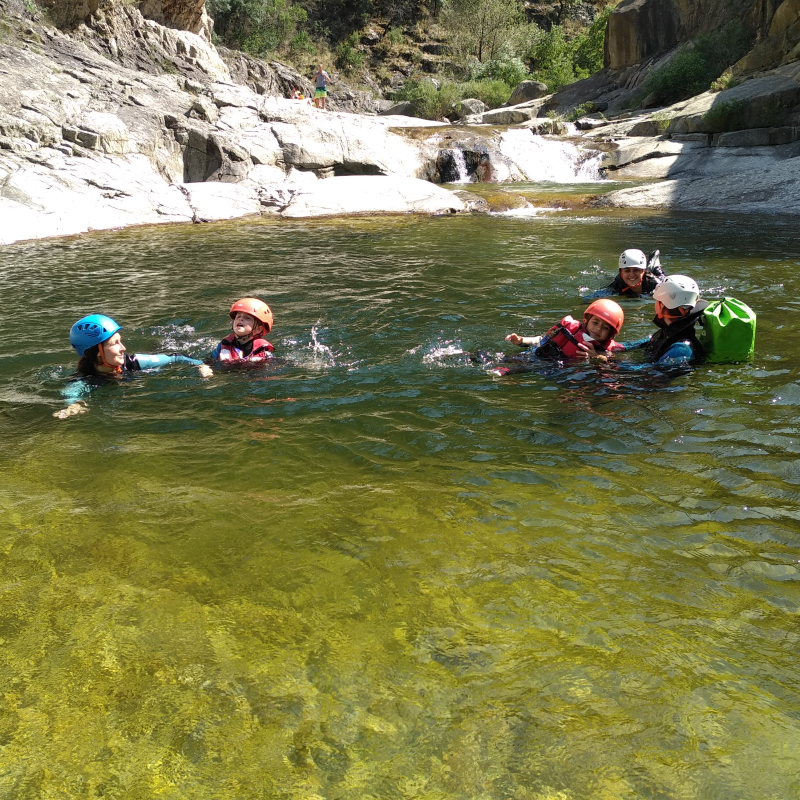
216 351
76 390
677 355
635 345
146 361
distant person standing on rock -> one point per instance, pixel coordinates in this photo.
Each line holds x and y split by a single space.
321 79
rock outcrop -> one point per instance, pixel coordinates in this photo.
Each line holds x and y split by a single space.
87 144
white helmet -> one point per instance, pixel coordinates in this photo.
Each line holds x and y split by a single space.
633 259
677 290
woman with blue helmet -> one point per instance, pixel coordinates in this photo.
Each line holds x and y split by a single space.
102 355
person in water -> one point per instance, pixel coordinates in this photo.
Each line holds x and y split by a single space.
568 339
637 275
678 308
102 356
251 320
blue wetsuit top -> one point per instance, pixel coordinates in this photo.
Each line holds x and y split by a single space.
82 384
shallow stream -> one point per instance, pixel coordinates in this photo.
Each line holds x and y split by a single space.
374 571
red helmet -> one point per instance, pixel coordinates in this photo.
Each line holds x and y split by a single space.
256 308
608 311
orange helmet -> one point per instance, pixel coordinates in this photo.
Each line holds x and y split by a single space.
608 311
256 308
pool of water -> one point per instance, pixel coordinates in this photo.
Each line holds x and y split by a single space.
373 571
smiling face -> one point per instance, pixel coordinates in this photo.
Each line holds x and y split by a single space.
243 324
598 328
632 276
113 353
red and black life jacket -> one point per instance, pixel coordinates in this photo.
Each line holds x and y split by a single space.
562 340
255 350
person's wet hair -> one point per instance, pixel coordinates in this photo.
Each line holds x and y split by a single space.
87 364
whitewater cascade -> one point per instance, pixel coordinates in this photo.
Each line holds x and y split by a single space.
551 160
461 165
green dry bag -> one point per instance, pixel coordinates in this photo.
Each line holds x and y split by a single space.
730 331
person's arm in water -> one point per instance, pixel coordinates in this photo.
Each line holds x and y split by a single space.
523 341
158 360
76 392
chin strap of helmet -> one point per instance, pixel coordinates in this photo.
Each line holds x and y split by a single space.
117 370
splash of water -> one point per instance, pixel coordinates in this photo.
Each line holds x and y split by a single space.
550 160
322 354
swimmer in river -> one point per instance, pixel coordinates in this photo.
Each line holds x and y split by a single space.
678 308
571 339
103 357
637 276
251 320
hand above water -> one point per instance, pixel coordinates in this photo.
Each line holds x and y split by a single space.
514 338
587 350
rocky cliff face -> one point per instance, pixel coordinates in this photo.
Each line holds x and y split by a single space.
641 29
184 15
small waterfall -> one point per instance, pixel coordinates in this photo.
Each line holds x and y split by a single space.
460 165
550 160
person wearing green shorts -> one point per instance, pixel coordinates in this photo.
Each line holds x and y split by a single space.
321 79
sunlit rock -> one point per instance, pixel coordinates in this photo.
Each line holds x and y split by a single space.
372 195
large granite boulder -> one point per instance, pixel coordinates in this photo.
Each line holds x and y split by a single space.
527 90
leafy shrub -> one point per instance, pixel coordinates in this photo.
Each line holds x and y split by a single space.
579 111
726 116
492 92
589 47
302 43
431 102
552 59
256 26
348 58
506 68
395 36
692 69
725 81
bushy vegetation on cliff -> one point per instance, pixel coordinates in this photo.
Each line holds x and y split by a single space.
697 67
440 50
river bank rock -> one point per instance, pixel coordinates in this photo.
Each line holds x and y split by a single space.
773 188
374 195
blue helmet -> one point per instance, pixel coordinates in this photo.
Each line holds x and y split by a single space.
91 330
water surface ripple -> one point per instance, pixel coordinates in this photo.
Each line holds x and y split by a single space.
373 570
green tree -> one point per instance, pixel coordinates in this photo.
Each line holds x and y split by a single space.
256 26
482 29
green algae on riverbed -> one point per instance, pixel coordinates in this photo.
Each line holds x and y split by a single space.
375 571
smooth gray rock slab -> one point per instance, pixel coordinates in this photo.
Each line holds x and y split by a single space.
372 195
772 189
217 201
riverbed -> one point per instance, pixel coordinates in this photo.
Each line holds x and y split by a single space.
372 570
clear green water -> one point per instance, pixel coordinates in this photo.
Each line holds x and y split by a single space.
376 572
